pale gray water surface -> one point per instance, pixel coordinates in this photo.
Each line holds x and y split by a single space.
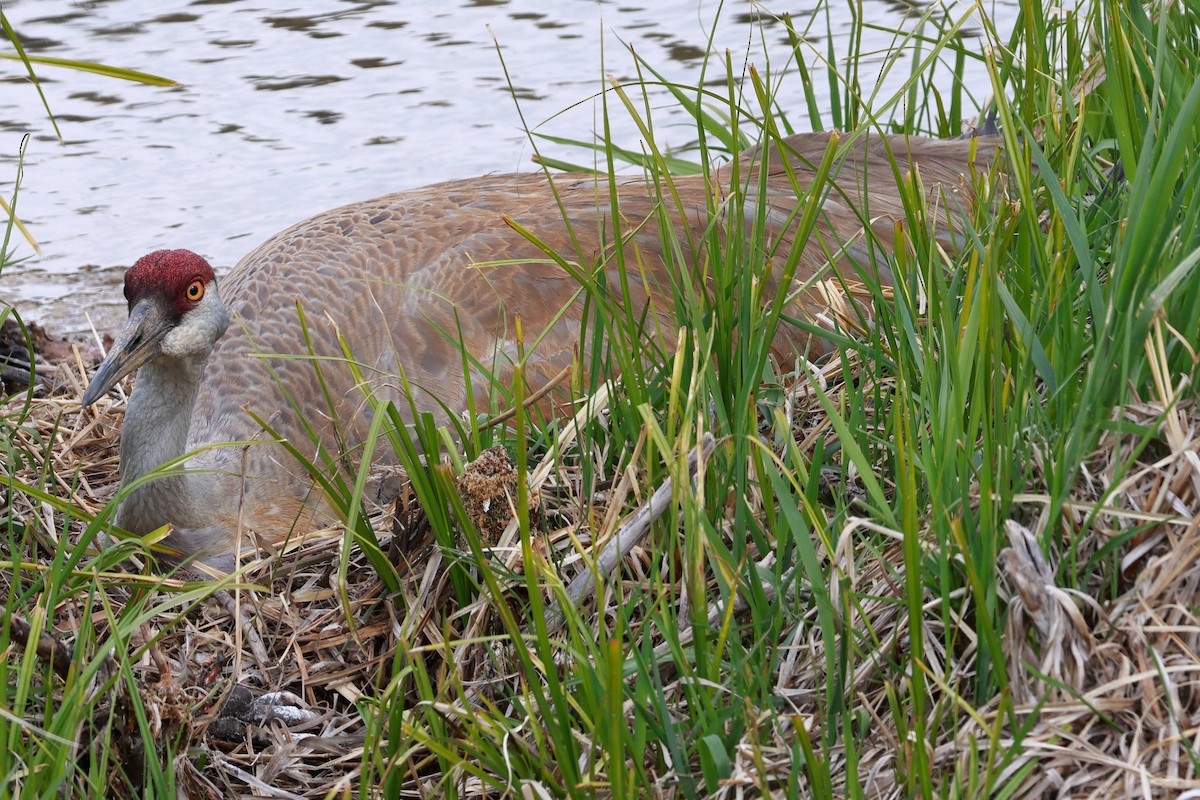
287 109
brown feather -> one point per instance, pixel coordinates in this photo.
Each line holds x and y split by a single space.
397 273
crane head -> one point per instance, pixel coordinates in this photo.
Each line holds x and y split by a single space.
174 312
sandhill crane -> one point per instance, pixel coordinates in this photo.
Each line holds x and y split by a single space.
400 277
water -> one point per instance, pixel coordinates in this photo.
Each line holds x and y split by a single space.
285 110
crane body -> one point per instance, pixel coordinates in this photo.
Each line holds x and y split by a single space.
404 280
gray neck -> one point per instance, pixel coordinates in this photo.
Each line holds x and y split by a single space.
155 431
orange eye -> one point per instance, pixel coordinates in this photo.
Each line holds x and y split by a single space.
195 291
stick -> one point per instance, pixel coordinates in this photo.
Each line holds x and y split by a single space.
47 647
529 401
629 535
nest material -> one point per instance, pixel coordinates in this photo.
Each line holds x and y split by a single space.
1110 687
488 489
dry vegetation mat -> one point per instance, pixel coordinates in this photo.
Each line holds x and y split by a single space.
1100 696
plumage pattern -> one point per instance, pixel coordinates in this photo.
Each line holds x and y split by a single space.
398 273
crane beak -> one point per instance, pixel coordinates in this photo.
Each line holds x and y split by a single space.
138 342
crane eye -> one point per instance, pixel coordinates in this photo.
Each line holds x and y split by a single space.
195 291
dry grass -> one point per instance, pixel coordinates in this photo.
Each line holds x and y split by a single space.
1101 697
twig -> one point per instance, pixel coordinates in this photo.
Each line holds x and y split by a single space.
245 622
160 661
628 536
47 647
529 401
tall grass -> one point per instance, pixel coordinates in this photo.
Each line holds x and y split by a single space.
820 612
989 374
